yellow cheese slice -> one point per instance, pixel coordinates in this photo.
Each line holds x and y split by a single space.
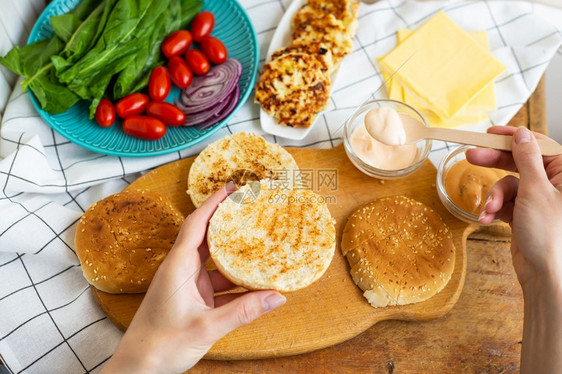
434 120
445 68
486 99
393 87
475 111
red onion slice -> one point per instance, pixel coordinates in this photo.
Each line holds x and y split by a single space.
233 100
207 90
206 115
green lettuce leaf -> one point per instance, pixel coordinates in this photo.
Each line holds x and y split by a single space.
33 62
135 77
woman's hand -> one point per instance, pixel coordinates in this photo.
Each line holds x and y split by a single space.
180 318
532 205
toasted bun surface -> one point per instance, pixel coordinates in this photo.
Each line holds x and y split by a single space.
241 158
122 239
280 239
400 251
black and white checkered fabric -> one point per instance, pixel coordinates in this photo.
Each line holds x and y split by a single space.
49 322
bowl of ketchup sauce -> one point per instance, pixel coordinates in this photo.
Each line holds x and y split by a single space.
463 187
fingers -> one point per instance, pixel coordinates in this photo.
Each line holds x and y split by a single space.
194 228
242 310
205 287
527 156
505 214
491 158
494 158
219 282
502 130
210 282
510 130
499 203
227 298
204 253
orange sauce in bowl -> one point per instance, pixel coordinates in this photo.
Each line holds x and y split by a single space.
467 185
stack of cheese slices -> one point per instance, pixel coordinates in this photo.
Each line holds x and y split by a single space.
444 72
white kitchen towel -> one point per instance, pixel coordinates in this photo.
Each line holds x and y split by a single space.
49 322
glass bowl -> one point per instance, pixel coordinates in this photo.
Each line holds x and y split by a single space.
358 117
454 156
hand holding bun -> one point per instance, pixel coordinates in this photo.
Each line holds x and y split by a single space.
180 318
268 237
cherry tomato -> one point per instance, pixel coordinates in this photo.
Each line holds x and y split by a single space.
197 61
177 43
214 50
202 25
105 113
179 72
159 84
168 113
144 127
132 104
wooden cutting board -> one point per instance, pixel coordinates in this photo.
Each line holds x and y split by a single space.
333 309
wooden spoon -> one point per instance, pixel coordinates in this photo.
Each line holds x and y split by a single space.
416 131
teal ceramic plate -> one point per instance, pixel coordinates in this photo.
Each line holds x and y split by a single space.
232 26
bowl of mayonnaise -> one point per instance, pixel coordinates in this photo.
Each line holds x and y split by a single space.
391 159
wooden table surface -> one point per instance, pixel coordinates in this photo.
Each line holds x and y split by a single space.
482 333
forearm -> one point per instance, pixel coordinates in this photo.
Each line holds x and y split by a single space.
542 328
133 355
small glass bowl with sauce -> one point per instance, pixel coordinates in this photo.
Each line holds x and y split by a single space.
411 156
462 187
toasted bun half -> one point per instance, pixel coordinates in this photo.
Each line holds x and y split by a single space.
270 238
122 239
400 251
239 158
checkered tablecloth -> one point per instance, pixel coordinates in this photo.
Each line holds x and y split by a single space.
49 322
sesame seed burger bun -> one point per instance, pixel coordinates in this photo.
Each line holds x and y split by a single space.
400 251
122 239
262 237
